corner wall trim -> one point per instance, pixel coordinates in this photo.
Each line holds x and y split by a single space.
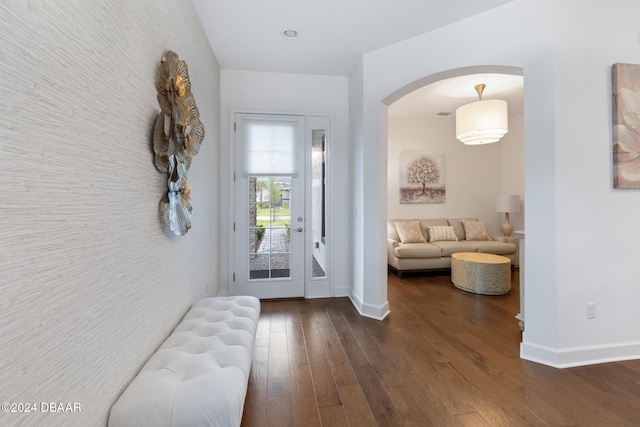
368 310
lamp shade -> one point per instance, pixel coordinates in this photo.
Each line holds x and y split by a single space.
509 203
482 122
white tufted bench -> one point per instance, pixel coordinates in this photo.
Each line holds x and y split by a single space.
199 376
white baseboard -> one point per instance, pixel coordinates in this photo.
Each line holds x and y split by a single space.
368 310
579 356
342 291
324 292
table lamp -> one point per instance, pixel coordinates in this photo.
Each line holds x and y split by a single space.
506 204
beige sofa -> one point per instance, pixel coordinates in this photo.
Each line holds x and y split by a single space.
427 244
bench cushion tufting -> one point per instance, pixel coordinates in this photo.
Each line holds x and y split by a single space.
199 376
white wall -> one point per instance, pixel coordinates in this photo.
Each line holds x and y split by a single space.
91 284
608 275
248 91
474 175
479 40
566 50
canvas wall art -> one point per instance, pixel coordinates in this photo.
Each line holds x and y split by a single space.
421 178
626 125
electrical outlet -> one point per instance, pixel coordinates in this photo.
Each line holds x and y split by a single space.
591 310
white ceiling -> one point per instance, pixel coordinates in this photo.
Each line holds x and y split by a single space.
333 36
445 96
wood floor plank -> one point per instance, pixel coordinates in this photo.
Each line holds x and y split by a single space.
303 403
263 330
355 324
408 407
614 379
339 362
255 406
324 383
415 369
333 416
429 400
442 357
296 343
356 407
577 399
471 420
368 379
279 411
490 375
631 364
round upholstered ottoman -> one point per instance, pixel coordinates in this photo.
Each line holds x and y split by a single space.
479 273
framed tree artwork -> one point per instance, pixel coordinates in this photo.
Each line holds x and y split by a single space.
421 178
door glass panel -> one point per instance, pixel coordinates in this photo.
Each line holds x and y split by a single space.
269 227
318 223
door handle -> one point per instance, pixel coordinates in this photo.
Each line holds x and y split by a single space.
299 229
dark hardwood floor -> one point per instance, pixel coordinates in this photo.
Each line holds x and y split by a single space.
443 357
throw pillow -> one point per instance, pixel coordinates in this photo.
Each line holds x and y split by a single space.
410 232
475 230
439 233
456 223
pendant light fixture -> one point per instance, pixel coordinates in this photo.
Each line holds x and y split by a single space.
482 122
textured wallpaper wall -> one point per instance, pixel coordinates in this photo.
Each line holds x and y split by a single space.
90 283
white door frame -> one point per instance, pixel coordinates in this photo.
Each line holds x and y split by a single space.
292 245
314 287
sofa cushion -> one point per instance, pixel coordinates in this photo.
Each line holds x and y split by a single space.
475 230
495 247
392 231
410 232
439 233
417 250
456 223
448 248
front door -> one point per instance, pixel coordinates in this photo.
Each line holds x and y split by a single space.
269 206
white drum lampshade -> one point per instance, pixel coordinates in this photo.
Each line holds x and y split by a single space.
482 122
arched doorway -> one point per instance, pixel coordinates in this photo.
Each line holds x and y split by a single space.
421 118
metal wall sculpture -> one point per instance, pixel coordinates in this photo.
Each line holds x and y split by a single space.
177 137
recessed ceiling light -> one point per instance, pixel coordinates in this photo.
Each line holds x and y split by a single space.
290 34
